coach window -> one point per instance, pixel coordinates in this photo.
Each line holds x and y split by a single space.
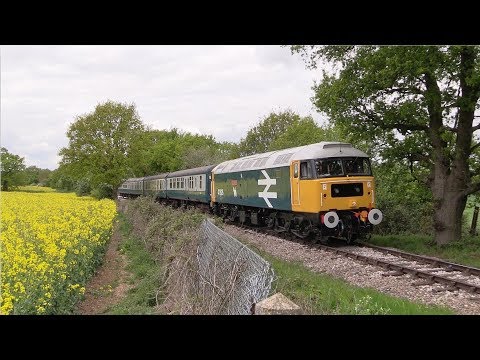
200 182
295 170
306 170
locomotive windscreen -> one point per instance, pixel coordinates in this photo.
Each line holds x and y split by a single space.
332 167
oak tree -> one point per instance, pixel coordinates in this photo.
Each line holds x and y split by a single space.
418 103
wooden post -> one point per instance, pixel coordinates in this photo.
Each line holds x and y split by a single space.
473 229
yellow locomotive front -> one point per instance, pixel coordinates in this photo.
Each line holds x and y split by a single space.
339 189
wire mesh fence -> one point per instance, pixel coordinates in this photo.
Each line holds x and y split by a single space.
232 276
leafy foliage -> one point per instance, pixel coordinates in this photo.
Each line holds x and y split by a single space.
103 191
406 204
260 137
83 187
12 167
37 176
173 150
60 179
105 145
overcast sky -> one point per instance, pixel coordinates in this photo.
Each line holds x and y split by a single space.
218 90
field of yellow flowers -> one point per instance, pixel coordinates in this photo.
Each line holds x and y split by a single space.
50 245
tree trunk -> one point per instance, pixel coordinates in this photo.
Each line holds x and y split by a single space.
448 218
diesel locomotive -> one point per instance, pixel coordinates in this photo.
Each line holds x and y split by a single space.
318 190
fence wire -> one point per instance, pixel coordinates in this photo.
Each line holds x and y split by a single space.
232 276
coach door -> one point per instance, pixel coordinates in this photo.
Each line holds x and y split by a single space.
295 176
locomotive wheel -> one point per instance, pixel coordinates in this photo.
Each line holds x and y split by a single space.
303 230
279 225
350 237
270 222
324 240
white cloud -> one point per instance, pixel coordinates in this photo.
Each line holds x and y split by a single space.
218 90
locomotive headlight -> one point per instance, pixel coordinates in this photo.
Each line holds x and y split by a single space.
375 216
331 219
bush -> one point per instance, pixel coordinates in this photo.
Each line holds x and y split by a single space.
83 188
407 205
64 183
405 217
103 191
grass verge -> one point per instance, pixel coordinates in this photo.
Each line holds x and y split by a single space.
323 294
142 298
466 251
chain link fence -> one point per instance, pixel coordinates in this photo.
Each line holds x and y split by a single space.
232 276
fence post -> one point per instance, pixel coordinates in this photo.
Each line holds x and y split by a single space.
473 229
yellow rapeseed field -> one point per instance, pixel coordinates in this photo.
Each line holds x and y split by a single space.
50 245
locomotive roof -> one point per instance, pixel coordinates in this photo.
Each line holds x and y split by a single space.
279 158
194 171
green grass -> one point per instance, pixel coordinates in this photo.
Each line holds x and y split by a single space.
323 294
141 299
466 251
468 215
35 189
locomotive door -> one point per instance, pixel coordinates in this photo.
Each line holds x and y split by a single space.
212 189
295 177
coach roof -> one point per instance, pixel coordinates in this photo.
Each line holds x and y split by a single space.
194 171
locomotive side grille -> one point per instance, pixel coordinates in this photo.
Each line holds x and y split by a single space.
347 190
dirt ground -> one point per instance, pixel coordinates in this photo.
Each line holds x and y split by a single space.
110 284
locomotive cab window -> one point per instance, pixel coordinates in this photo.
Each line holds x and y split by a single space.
295 170
357 166
306 170
343 167
329 167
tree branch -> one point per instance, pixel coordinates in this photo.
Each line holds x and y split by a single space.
411 159
475 128
405 127
473 188
449 128
403 90
399 126
417 156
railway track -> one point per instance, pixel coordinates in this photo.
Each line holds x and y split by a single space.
397 263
